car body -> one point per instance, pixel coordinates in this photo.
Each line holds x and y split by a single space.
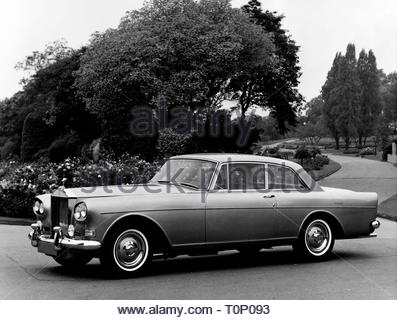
200 204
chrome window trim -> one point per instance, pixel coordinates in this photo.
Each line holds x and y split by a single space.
266 165
228 164
296 175
204 160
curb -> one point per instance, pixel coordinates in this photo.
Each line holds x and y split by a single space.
331 172
387 216
16 221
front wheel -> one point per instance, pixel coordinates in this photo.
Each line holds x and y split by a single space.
316 240
127 251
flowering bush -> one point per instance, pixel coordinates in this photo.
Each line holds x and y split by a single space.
19 183
367 151
319 161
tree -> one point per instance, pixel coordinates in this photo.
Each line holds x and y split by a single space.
341 94
48 109
370 100
329 89
13 112
182 52
312 127
388 91
349 95
272 88
39 60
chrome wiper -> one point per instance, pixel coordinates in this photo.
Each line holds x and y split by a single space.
189 185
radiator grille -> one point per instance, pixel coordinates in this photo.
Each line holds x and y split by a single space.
59 213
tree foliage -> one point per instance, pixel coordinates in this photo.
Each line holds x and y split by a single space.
190 54
311 127
352 97
370 101
183 52
272 88
47 109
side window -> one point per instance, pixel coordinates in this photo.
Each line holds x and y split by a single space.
221 180
281 177
245 176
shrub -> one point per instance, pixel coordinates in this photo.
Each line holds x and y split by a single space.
314 152
302 153
367 151
36 135
19 183
320 161
272 152
171 143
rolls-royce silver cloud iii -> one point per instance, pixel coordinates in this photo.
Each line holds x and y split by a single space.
200 204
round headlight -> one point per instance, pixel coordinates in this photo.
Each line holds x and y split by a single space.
38 209
80 212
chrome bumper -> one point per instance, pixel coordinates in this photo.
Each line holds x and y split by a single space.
59 242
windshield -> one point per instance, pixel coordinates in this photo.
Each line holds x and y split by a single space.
186 172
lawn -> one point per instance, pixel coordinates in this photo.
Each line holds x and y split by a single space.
388 208
326 170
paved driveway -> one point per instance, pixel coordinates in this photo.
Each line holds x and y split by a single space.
360 174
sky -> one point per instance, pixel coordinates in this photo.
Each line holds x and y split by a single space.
320 27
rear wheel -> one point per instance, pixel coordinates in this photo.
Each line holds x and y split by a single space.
126 251
316 240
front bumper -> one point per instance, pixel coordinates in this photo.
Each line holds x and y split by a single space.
52 246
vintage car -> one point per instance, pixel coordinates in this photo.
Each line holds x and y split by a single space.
200 204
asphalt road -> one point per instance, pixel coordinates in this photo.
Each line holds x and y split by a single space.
360 174
360 269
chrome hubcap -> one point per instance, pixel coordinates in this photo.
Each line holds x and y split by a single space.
130 249
317 237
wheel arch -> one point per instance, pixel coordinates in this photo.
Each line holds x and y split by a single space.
334 222
161 241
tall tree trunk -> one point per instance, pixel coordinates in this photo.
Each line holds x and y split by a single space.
360 140
347 142
336 142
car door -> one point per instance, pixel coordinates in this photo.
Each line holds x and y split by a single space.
238 208
293 199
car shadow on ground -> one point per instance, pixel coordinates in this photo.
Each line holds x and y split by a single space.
230 260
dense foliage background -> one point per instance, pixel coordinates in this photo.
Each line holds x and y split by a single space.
178 54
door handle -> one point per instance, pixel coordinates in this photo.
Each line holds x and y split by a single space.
269 196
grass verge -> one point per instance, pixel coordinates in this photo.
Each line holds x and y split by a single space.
326 171
388 208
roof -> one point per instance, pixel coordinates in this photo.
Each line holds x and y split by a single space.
228 157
